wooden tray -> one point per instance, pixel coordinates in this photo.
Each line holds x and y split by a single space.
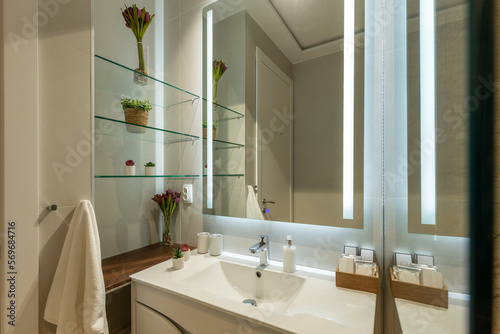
357 282
419 293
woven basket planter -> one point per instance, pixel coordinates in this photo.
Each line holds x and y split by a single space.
214 132
134 116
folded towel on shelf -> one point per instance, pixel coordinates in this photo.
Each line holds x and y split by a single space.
77 297
253 208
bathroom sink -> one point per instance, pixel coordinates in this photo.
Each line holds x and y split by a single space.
306 301
270 290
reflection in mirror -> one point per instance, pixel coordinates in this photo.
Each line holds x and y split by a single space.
279 115
448 123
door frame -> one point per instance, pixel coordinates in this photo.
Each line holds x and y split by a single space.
263 59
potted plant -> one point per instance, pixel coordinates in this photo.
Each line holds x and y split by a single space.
129 167
186 251
214 129
150 168
136 112
178 260
138 20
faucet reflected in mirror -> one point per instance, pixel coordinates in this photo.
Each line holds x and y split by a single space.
262 247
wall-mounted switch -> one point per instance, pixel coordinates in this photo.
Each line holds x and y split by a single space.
187 193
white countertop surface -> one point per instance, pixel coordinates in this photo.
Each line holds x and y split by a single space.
420 318
319 306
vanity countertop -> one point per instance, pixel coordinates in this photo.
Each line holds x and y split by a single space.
318 306
420 318
117 269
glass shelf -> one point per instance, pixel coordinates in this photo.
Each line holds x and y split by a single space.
143 176
223 113
118 79
227 175
116 128
222 145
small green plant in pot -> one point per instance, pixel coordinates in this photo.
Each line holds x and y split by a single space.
150 168
214 129
136 112
178 260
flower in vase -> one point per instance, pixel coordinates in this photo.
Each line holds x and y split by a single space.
218 69
167 202
138 20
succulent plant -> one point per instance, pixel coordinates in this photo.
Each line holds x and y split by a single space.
185 248
130 163
150 164
177 253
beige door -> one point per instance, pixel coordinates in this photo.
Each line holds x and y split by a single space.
274 139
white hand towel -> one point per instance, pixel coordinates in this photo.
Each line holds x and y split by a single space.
77 297
253 208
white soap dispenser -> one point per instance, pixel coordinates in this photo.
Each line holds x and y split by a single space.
289 256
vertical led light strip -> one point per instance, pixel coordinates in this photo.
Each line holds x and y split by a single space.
209 109
427 112
348 142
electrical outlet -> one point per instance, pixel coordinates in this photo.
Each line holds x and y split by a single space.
187 193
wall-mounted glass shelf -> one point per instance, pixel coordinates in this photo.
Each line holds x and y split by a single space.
116 128
222 145
144 176
118 79
223 113
227 175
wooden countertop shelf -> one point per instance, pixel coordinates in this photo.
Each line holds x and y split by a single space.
117 269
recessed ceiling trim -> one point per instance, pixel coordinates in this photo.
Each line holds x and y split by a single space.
285 25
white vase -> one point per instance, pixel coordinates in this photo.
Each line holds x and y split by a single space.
129 170
178 263
150 170
187 256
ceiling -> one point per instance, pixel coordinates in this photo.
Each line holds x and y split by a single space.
307 29
313 23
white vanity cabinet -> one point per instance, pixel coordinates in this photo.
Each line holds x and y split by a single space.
156 310
150 321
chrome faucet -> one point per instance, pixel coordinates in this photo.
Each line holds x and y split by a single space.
262 247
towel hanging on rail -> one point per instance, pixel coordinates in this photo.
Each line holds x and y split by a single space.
253 208
77 297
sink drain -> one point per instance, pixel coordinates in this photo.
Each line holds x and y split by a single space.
250 302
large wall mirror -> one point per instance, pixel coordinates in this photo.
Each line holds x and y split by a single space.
284 134
438 104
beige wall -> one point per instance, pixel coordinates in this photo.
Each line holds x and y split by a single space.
20 164
318 131
65 107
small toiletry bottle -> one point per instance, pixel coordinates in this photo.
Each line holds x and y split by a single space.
289 256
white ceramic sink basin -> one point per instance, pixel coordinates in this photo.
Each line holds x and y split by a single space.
303 302
271 290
